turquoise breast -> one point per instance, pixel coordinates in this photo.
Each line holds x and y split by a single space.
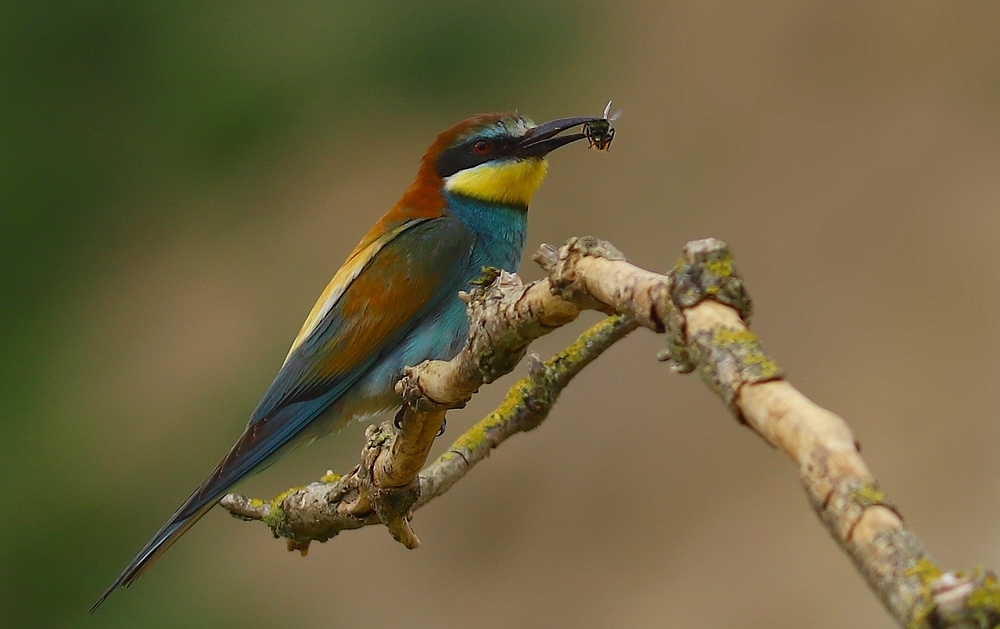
500 232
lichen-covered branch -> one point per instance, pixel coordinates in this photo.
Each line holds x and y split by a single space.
527 404
324 508
703 309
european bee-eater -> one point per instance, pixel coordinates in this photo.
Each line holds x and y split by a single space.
394 303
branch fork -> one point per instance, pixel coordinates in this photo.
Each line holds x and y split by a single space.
703 309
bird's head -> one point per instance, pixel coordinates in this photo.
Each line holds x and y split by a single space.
497 158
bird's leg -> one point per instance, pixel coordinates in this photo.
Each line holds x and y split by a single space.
401 463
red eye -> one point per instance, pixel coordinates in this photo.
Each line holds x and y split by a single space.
481 147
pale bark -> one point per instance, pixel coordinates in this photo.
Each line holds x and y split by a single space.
703 309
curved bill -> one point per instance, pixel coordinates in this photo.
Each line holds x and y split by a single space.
544 138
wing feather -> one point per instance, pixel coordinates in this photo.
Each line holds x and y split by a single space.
384 290
399 283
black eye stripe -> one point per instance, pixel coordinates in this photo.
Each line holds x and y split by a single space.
461 157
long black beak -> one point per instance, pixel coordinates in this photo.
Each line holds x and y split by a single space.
545 138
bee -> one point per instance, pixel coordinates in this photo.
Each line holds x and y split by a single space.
600 133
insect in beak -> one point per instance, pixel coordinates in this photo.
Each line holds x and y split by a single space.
600 133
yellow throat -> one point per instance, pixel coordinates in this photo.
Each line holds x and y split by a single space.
511 182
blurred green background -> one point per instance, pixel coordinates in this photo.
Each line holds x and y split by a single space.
178 182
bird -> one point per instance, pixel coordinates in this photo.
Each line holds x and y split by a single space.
395 301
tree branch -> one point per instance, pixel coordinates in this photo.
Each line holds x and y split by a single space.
702 307
324 508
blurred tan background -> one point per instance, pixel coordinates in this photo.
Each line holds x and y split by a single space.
180 181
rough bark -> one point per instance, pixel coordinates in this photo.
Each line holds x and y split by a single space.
702 308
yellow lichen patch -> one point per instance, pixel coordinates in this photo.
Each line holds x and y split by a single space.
723 335
744 344
472 438
868 494
256 503
281 497
276 517
598 332
528 387
759 358
574 353
536 392
981 606
445 457
722 266
921 613
765 364
478 434
330 477
984 602
925 570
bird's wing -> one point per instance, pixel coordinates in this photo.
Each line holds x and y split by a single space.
361 315
379 295
364 313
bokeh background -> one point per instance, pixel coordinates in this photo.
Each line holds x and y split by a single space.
178 182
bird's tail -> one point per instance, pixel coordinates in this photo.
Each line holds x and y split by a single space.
178 524
259 444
